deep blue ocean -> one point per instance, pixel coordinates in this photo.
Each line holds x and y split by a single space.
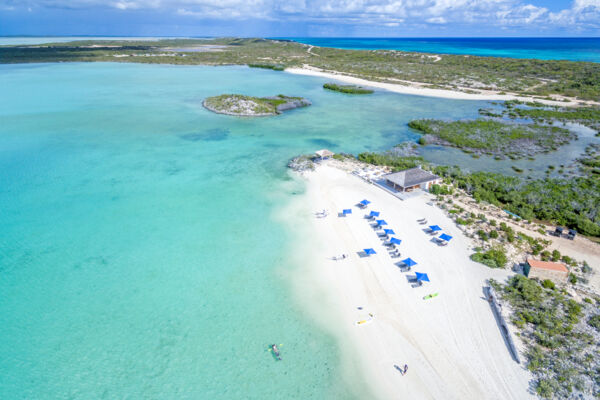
574 49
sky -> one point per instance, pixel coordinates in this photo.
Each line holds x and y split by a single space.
301 18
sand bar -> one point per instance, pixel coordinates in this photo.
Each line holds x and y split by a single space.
452 343
419 89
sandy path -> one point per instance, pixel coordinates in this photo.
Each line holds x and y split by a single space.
415 88
452 344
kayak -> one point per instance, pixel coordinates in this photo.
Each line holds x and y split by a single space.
430 296
365 321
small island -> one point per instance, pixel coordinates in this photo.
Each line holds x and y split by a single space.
491 137
248 106
348 89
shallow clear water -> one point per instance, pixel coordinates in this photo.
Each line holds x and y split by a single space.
138 253
574 49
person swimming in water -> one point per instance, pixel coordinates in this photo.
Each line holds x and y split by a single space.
276 351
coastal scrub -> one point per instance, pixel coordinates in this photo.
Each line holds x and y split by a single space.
485 136
247 106
563 350
348 89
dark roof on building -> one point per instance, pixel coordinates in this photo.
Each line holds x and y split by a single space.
411 177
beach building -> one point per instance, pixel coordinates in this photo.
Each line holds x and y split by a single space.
556 272
411 179
324 154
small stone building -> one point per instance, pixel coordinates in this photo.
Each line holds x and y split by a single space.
324 154
555 271
411 179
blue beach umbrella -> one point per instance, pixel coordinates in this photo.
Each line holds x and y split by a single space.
389 232
374 214
365 202
381 222
395 241
409 261
435 228
347 211
445 237
369 251
422 277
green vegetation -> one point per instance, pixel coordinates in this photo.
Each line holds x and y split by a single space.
561 353
349 89
548 284
268 66
594 321
494 137
493 258
454 72
588 116
589 162
237 104
574 203
397 163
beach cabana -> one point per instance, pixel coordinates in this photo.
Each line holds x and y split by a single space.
411 179
395 241
346 211
369 251
434 228
364 203
324 154
422 277
409 262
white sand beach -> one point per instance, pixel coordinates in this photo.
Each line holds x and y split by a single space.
420 89
452 344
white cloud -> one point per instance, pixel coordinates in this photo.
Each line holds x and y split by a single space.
436 20
389 13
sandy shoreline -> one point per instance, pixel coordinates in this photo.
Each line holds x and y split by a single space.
452 343
413 88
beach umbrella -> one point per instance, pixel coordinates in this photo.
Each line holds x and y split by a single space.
435 228
381 222
347 211
389 232
422 277
445 237
409 262
395 241
365 202
369 251
374 214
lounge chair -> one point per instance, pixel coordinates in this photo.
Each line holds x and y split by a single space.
423 222
442 243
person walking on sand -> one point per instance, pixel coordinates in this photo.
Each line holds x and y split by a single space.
405 369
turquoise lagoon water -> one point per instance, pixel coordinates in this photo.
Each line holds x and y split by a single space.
574 49
139 255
